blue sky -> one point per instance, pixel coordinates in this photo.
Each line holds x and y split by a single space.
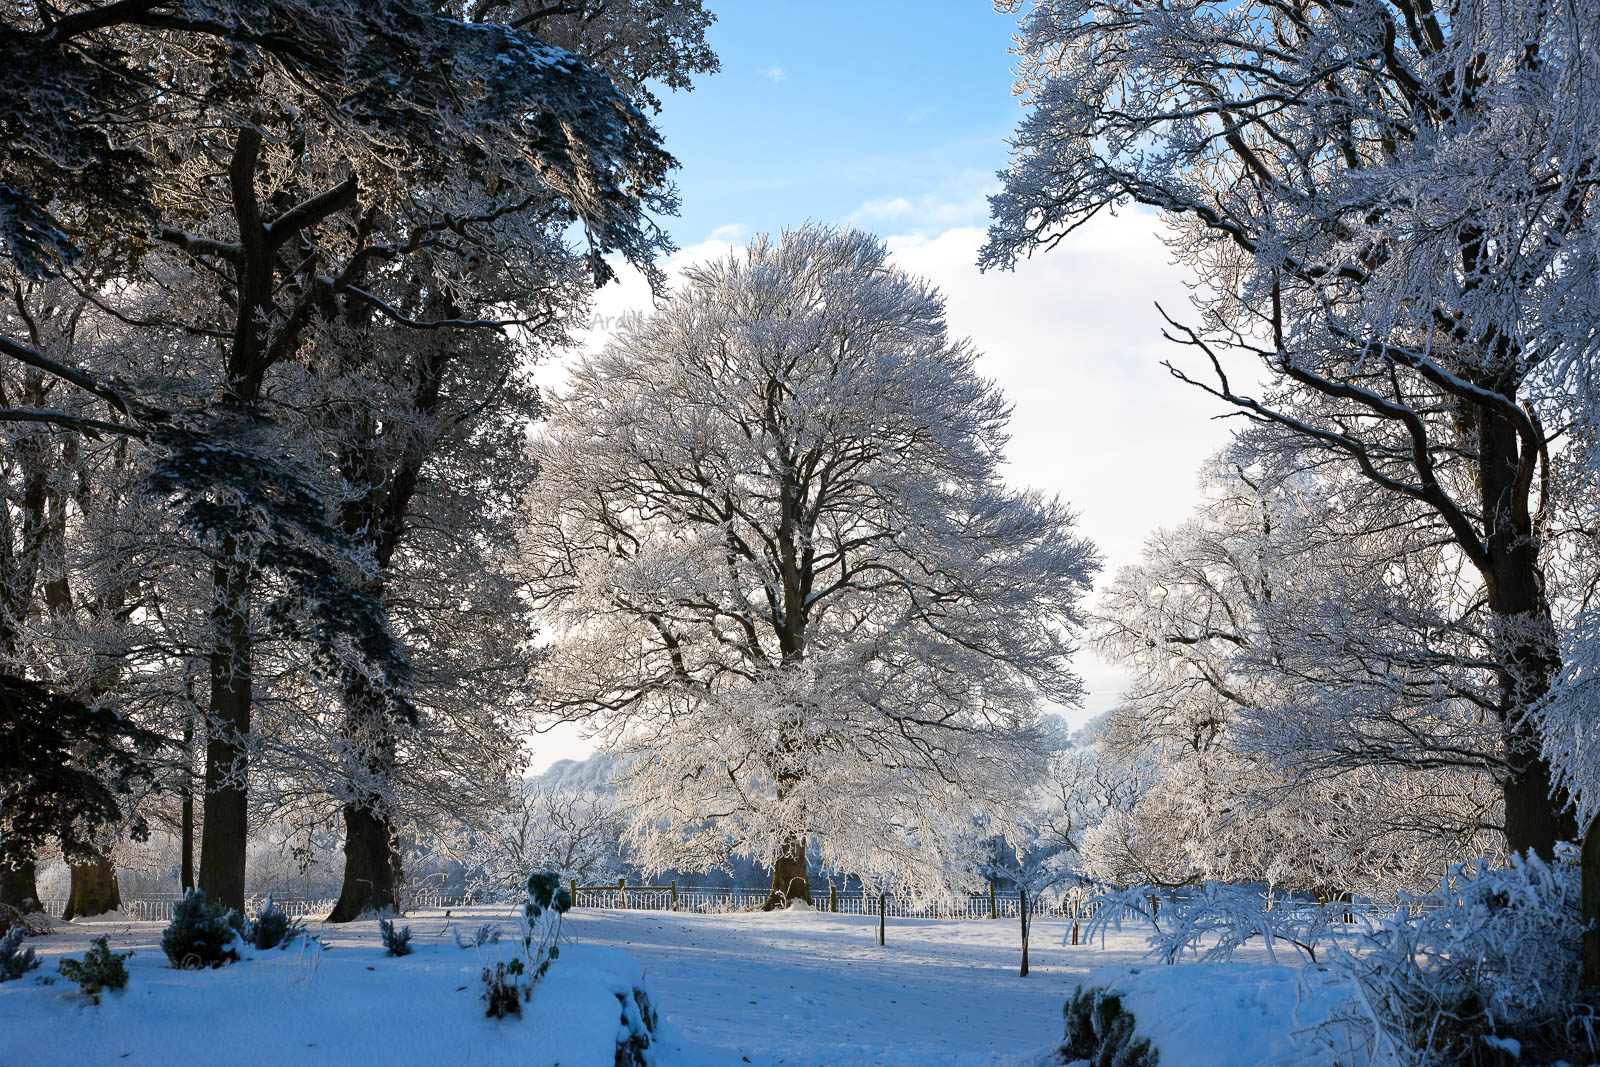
822 108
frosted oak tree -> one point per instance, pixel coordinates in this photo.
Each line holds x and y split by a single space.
778 564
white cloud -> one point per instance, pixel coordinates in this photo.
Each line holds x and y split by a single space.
962 202
775 74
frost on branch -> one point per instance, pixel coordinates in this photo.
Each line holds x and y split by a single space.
780 567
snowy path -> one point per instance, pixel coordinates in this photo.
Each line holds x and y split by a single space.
807 990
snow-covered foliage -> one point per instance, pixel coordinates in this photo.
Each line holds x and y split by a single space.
201 935
779 566
1211 922
15 960
575 832
1393 222
1479 967
507 984
1568 722
272 927
396 941
1309 713
99 970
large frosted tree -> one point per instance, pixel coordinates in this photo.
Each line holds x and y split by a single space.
1392 209
779 566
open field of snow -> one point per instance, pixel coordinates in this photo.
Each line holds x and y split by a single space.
807 988
801 989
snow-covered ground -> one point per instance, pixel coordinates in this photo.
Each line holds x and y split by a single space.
808 988
802 989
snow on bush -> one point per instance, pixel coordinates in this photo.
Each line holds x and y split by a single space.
507 983
1100 1032
99 970
1216 921
200 934
395 942
272 927
15 961
1479 972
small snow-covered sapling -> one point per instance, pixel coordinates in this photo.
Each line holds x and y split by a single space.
272 927
200 934
15 961
396 942
99 970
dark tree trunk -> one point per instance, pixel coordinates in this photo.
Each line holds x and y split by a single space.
372 872
371 866
19 886
226 818
789 881
94 889
1536 816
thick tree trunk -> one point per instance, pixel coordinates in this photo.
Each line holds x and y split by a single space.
225 817
1535 820
19 886
372 871
94 889
789 881
1536 816
371 867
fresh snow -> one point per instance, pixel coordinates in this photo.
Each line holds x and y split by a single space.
348 1005
800 988
1228 1014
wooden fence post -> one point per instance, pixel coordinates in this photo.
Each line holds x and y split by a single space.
1074 920
1155 907
994 909
674 895
622 891
1022 892
883 907
574 892
833 897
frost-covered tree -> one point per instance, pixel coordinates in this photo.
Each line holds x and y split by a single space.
1303 678
576 833
779 566
310 161
1393 212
